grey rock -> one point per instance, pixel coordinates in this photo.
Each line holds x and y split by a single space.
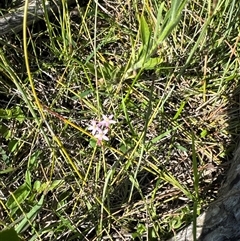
13 21
221 221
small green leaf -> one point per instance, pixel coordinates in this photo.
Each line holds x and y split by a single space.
3 155
43 187
14 113
167 133
180 147
6 133
85 93
93 142
18 114
123 148
141 229
183 103
152 234
37 185
5 114
12 145
204 133
55 184
176 223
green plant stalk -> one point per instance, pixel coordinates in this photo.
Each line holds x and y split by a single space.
147 119
196 188
26 60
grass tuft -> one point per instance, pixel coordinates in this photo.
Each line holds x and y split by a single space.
165 72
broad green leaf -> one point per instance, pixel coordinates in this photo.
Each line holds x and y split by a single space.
169 22
159 23
30 216
20 195
167 133
49 186
151 63
144 64
145 31
28 178
9 235
33 160
140 231
7 170
143 59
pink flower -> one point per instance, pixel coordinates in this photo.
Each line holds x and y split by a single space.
94 127
101 135
100 129
107 121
